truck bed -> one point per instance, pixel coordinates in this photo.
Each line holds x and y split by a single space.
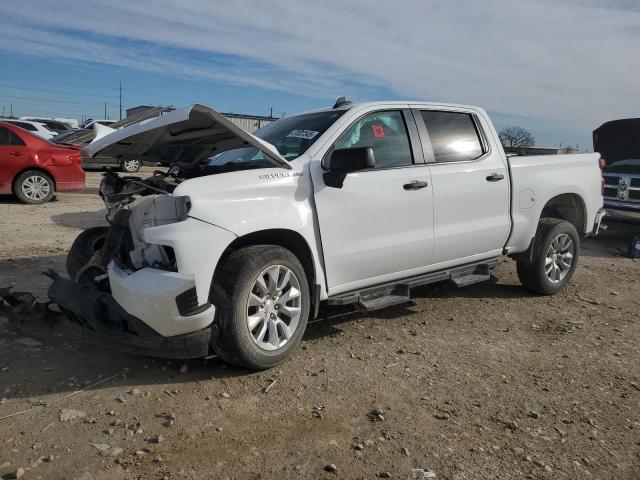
557 181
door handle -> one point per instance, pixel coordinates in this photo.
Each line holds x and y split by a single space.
415 185
495 177
15 154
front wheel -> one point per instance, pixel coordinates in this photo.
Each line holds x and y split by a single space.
262 306
554 257
84 247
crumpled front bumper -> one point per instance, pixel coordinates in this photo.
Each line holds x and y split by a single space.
96 317
166 301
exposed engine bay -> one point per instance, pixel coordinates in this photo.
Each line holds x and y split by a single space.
117 191
134 204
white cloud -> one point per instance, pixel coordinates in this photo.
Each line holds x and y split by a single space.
569 62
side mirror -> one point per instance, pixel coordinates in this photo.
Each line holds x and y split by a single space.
346 160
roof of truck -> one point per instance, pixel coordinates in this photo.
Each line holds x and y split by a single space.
399 103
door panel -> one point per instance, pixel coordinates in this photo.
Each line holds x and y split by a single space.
13 156
471 214
471 189
381 221
373 226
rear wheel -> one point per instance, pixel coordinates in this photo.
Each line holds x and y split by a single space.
262 306
130 166
34 187
554 257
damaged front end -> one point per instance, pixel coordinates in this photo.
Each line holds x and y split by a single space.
142 284
130 216
85 313
118 295
95 317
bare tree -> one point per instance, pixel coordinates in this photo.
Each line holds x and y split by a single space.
516 137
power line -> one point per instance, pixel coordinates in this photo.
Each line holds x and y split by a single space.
45 100
57 82
56 91
40 81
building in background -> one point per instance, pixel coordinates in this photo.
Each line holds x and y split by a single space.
134 111
250 123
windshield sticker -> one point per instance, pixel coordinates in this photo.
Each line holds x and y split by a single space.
378 131
306 134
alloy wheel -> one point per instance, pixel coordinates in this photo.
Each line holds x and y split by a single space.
559 258
274 307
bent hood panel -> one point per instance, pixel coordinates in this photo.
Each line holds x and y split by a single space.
188 135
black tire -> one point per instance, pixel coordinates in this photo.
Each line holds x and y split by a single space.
22 182
83 248
130 166
232 340
533 274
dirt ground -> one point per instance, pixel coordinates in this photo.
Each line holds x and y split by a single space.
486 382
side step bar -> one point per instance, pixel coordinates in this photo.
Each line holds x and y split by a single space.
394 293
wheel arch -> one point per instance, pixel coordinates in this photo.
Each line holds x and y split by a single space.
567 206
37 169
282 237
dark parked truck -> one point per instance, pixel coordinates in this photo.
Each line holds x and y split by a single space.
618 142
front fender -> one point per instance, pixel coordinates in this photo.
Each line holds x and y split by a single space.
197 245
253 201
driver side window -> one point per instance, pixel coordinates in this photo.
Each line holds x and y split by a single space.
386 133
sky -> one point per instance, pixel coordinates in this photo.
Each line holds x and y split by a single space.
559 68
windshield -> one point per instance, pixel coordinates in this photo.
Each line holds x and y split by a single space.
624 166
292 137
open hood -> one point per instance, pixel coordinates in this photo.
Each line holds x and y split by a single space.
102 130
186 136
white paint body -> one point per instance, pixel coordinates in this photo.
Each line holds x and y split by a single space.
369 231
101 131
71 122
36 128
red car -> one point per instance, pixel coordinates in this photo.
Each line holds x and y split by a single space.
34 169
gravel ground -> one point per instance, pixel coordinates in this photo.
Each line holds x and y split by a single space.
485 382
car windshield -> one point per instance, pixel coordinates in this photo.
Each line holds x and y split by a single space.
292 137
631 165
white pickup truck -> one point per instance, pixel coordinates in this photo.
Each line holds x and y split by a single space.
236 245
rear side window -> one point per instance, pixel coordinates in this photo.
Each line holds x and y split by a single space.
7 137
453 135
26 126
15 139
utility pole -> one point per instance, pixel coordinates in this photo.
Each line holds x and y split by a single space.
120 100
105 110
11 105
